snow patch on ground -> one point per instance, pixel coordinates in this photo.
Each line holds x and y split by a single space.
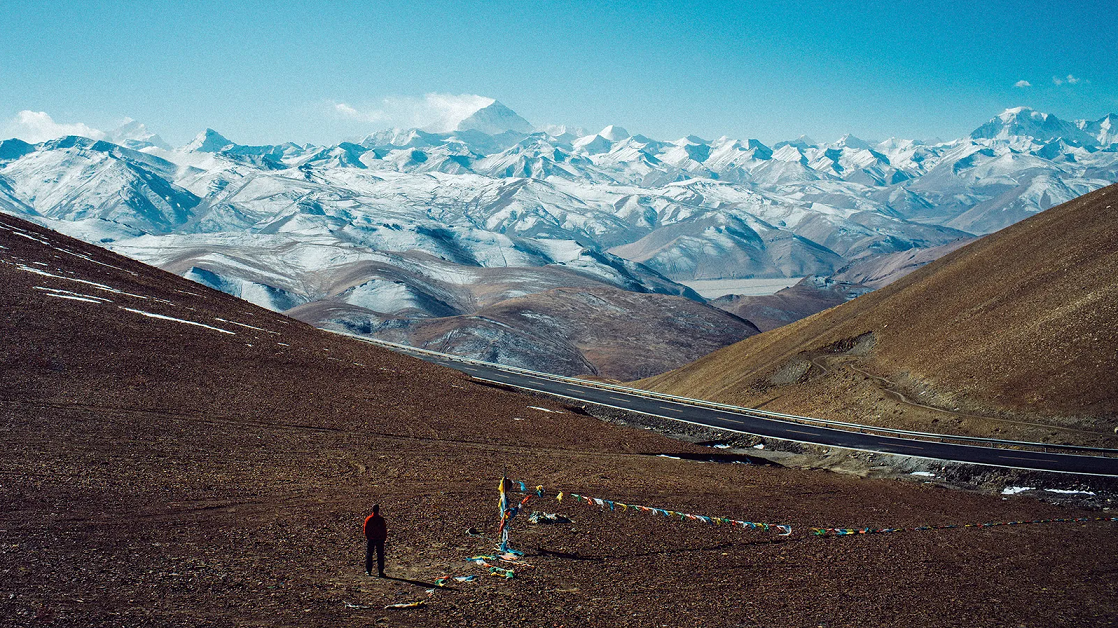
1014 490
383 296
72 298
268 331
66 294
99 286
24 234
176 320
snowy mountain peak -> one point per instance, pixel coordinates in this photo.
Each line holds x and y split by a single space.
592 144
563 131
789 152
614 133
208 141
1026 122
1014 112
802 142
1104 130
495 119
135 135
849 141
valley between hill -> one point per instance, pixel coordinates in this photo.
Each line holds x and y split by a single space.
1011 336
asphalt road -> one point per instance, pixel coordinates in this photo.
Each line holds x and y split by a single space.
775 428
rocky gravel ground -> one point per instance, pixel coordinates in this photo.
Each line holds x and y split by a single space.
160 473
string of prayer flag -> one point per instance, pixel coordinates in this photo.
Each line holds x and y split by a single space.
613 506
442 581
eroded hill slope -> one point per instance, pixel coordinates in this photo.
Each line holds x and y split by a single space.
582 331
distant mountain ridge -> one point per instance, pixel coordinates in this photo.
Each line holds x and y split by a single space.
1043 127
292 224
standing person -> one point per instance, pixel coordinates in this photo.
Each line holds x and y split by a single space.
376 533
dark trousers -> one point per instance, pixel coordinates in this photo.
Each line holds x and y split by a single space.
370 547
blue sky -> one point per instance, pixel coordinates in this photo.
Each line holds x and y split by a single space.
266 72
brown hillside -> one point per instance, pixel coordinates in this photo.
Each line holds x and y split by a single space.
162 473
604 331
815 294
1019 325
786 306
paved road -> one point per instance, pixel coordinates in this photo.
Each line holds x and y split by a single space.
774 428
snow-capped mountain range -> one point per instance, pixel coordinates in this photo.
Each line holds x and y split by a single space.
407 224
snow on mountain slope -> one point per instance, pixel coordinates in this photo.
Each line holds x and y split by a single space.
1104 130
75 178
721 246
614 133
533 157
284 270
208 141
596 331
495 119
1019 201
414 223
974 179
135 135
1025 122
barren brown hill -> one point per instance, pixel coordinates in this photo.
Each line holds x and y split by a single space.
175 457
601 331
1018 326
786 306
882 270
815 294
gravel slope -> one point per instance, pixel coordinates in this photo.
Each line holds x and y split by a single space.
162 473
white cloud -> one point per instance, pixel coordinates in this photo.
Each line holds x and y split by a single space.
1070 79
432 112
347 112
1022 83
38 126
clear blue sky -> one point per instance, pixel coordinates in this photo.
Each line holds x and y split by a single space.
265 72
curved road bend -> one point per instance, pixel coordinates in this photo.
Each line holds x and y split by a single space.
773 428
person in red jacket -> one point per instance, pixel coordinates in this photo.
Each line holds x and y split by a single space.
376 533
